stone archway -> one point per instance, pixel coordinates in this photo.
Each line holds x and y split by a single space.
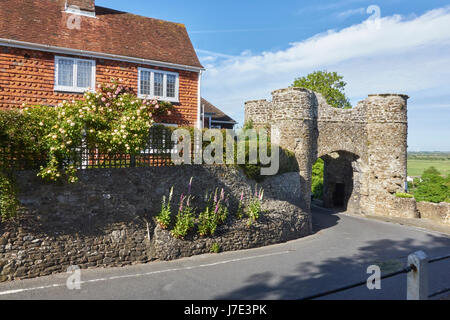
374 132
342 179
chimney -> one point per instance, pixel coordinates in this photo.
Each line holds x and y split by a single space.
84 5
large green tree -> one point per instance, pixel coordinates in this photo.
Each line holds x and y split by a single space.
329 84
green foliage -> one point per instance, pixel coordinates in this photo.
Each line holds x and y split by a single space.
214 214
165 215
215 248
329 84
185 220
433 187
9 203
404 195
254 207
240 211
207 222
112 120
317 179
288 162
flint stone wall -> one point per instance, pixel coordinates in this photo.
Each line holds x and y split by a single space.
106 219
438 212
281 222
374 132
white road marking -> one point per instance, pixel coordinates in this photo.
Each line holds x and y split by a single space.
136 275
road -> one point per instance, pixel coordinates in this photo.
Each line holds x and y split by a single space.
338 254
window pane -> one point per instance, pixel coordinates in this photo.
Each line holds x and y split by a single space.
65 72
171 82
159 79
84 74
145 82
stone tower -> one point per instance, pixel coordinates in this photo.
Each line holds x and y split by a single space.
364 148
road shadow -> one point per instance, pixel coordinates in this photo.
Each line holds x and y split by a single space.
323 218
314 278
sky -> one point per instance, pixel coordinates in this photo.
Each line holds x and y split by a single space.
250 48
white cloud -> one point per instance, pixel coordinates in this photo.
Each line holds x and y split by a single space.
403 55
351 12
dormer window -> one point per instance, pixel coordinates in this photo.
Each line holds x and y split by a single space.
81 7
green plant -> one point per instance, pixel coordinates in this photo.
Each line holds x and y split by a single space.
185 220
214 214
404 195
215 248
8 197
317 179
165 215
111 120
433 187
240 210
254 207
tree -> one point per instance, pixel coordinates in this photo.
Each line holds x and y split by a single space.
329 84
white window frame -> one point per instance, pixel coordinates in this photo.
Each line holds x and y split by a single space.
152 85
74 87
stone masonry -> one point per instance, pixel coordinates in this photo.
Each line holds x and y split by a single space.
106 219
364 148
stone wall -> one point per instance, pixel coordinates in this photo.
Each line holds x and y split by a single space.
438 212
373 134
106 220
282 222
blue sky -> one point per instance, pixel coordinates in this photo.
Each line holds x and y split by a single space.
253 47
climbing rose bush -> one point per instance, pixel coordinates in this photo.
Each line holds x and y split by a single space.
112 120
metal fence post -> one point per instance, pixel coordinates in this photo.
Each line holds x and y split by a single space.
417 279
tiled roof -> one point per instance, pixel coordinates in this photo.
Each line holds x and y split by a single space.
218 115
112 32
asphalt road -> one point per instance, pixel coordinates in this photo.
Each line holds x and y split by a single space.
336 255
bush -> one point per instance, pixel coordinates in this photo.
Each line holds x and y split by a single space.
317 179
8 197
433 187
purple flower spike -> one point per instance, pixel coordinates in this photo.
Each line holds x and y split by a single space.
181 202
190 185
217 207
242 196
222 195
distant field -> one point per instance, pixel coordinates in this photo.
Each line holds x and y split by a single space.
417 166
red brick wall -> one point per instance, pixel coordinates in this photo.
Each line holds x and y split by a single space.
27 76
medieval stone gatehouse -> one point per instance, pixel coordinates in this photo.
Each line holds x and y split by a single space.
364 148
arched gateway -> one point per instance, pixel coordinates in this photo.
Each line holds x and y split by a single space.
364 148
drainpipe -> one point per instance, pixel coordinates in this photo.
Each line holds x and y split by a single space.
199 108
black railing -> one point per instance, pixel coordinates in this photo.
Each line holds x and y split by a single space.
157 152
405 270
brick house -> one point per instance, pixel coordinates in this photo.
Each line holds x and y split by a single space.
214 118
54 50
